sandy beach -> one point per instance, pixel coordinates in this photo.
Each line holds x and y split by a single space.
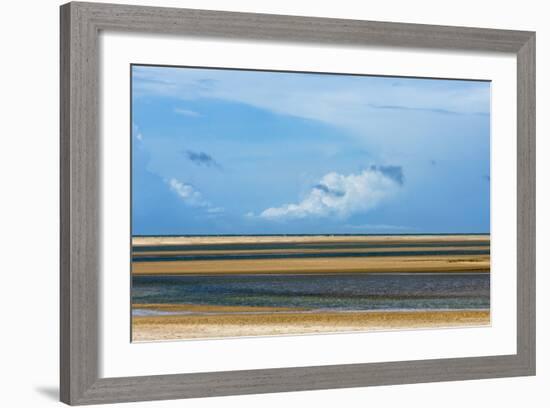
275 285
212 324
409 264
318 254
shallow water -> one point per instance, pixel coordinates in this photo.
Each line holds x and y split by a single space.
340 292
291 255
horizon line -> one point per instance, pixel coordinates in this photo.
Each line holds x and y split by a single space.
301 235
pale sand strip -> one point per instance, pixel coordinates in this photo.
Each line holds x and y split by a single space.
183 240
172 327
308 250
452 263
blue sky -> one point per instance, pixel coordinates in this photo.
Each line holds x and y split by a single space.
249 152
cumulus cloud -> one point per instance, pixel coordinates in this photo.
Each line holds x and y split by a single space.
187 193
326 189
201 158
343 195
393 172
192 197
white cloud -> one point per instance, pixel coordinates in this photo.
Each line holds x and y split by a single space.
365 107
340 195
192 196
338 100
187 193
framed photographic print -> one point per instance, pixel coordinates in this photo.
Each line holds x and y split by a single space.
271 203
284 202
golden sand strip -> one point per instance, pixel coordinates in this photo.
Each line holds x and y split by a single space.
170 327
452 263
308 250
183 240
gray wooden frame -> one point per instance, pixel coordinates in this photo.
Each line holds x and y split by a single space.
80 189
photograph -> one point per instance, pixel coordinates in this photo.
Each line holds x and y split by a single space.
270 203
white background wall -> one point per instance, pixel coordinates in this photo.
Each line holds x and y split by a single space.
29 202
